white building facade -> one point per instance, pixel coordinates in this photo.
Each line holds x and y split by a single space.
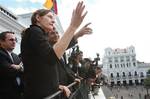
9 22
121 67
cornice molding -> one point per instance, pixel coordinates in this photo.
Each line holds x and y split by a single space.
10 23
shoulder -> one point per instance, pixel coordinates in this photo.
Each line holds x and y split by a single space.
14 54
3 52
35 28
34 31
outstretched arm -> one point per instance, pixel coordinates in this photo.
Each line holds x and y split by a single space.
76 20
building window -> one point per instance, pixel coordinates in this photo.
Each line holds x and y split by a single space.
121 65
130 74
111 75
117 74
135 73
110 65
123 74
134 64
127 64
142 75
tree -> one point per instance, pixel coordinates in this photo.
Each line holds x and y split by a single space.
147 82
148 73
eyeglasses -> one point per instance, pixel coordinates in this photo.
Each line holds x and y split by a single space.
13 39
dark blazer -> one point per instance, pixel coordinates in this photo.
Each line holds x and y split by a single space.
8 82
40 64
66 75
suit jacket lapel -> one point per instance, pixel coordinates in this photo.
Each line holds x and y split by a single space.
5 53
15 58
64 58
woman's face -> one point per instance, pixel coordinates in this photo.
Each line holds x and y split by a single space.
46 21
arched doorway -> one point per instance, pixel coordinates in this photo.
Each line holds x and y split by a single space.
130 82
118 83
124 82
112 83
142 81
136 82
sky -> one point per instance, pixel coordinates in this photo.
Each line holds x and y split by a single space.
115 23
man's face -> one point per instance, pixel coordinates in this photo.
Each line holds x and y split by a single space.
53 37
10 42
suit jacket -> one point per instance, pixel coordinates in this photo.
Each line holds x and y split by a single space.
8 83
40 64
72 43
66 75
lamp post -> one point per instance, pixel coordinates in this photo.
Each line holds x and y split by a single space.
97 59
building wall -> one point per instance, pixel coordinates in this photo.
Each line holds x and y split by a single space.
9 22
121 66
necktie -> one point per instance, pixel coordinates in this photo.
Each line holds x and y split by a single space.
62 60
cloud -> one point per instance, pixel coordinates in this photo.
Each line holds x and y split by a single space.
66 8
21 10
21 0
37 1
26 6
33 1
115 23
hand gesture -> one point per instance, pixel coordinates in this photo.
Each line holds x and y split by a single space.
77 15
83 31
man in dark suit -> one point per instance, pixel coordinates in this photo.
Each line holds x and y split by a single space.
9 67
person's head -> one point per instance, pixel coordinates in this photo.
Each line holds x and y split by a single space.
53 37
98 70
87 62
91 75
8 40
80 55
43 18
